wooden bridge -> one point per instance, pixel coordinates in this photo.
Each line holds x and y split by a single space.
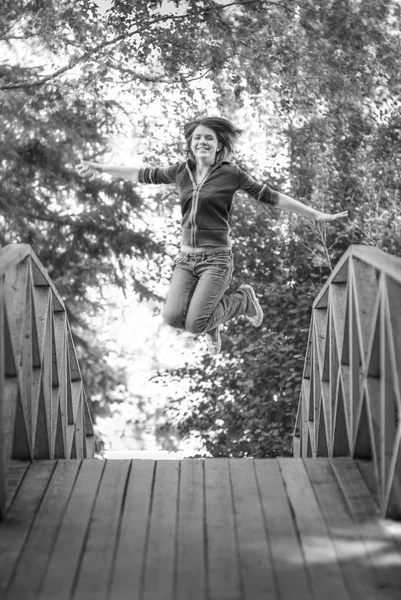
322 525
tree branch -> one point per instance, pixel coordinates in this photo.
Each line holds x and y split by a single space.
19 37
11 26
30 84
136 75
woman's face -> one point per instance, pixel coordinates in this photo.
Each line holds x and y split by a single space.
205 145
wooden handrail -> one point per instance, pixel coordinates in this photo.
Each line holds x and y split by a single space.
350 401
43 407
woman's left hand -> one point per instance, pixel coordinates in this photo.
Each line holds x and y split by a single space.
330 217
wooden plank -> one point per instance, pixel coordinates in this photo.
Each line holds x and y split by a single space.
88 420
158 580
58 405
12 254
38 277
339 275
64 561
222 549
15 529
366 288
41 278
367 469
378 259
258 576
339 302
354 559
191 559
4 459
74 365
383 550
320 554
100 544
133 535
16 473
373 257
90 445
287 557
15 288
27 576
356 493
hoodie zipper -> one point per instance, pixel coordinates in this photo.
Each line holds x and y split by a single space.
195 201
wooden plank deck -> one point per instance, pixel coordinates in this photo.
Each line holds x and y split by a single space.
213 529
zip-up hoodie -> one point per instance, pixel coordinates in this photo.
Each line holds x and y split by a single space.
206 207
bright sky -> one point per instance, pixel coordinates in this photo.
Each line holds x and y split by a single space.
167 6
104 5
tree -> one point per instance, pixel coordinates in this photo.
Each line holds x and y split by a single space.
86 233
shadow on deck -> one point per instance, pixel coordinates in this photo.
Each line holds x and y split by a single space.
213 529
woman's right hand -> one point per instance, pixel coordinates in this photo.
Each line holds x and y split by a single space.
88 168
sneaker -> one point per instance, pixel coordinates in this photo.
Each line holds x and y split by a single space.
256 318
214 342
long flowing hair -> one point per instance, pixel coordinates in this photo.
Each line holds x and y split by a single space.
225 131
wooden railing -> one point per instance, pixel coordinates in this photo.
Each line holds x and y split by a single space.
43 408
350 399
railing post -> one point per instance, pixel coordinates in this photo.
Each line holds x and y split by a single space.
3 459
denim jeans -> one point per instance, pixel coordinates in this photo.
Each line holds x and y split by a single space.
196 300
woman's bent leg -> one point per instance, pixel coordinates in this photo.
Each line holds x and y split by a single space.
209 305
182 285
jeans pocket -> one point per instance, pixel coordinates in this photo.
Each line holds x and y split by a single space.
180 258
220 259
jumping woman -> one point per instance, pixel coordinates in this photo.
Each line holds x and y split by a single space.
197 299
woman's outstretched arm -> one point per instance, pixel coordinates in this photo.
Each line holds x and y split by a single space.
287 203
88 168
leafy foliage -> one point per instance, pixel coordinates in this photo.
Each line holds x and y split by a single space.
88 233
